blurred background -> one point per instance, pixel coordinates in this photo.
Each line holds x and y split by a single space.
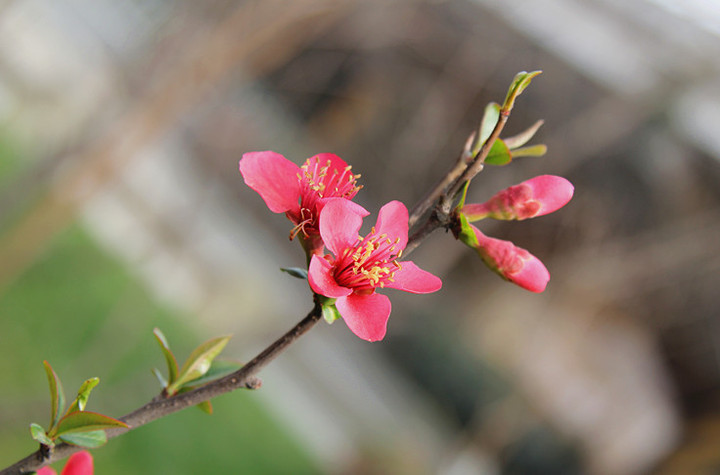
121 209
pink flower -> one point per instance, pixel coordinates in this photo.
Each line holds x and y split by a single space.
359 266
512 263
535 197
299 192
80 463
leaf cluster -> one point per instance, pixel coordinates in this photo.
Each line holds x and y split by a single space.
75 425
200 368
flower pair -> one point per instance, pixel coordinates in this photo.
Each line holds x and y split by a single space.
535 197
316 197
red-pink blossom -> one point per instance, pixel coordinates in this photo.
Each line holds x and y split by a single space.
535 197
80 463
359 265
512 263
299 192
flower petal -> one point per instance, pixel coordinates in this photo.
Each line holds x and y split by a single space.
411 278
322 281
46 471
340 222
512 263
274 177
80 463
534 276
393 221
335 163
553 192
365 315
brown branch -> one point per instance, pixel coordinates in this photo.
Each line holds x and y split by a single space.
161 407
431 198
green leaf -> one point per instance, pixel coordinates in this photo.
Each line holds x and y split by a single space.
463 195
169 356
487 124
297 272
83 394
90 440
38 433
499 154
57 397
85 421
160 377
518 85
218 369
466 234
206 407
523 137
531 151
199 361
330 313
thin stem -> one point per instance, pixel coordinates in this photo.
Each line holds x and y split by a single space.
478 161
431 197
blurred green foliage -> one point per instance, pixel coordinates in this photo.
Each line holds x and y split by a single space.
86 314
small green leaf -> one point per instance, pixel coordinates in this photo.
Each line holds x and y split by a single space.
160 377
90 440
297 272
463 195
57 397
205 407
518 85
85 421
487 124
330 313
523 137
466 234
499 154
531 151
83 394
38 433
198 363
169 356
218 369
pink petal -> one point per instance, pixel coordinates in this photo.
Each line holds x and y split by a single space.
274 177
553 192
534 276
513 263
321 279
340 222
46 471
336 163
80 463
365 315
393 221
413 279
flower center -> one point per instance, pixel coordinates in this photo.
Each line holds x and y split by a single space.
317 182
369 264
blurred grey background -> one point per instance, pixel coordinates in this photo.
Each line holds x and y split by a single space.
121 208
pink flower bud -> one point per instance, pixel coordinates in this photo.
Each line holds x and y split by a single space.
535 197
512 263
